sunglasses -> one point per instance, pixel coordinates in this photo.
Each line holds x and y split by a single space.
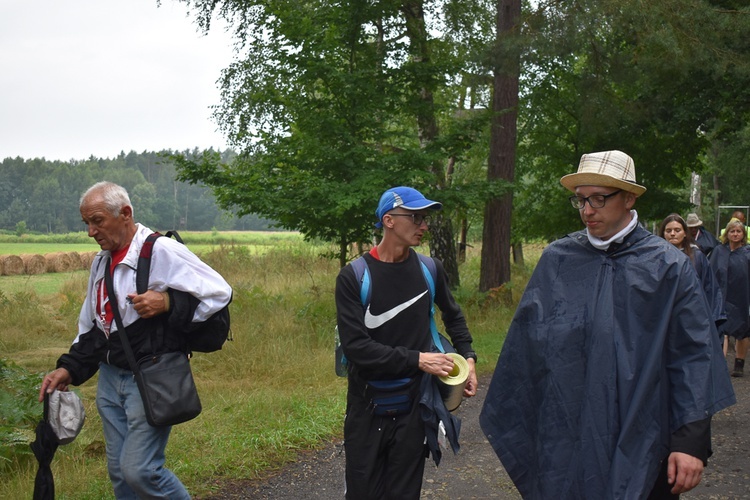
417 219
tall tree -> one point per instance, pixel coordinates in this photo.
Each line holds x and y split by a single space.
331 103
502 159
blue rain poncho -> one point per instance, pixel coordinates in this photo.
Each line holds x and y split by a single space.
710 286
732 270
607 355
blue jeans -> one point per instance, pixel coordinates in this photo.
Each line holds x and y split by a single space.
135 450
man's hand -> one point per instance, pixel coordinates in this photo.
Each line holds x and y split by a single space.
150 304
471 384
435 363
684 472
59 379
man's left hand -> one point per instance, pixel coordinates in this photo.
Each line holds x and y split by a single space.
684 472
471 384
150 304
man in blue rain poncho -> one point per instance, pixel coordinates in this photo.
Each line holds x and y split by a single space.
612 367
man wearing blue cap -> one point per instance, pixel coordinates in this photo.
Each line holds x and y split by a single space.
389 347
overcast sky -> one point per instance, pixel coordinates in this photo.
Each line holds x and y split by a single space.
97 77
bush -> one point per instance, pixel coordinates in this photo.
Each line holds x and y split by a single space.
19 411
21 228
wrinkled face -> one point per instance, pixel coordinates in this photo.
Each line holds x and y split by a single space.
674 233
109 231
610 219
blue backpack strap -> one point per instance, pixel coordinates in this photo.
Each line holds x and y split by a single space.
362 273
429 269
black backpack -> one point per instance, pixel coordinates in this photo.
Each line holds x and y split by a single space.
207 336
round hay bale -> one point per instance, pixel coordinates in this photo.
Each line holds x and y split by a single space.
87 258
75 260
34 263
58 262
12 265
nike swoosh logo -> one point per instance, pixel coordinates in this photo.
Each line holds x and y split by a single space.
372 321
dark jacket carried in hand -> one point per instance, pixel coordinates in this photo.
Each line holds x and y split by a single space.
610 357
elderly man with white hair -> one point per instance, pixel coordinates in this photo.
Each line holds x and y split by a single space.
182 290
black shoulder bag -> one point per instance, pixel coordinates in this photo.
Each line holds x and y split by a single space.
165 381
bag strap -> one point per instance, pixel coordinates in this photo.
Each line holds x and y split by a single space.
143 269
362 274
116 313
174 234
429 271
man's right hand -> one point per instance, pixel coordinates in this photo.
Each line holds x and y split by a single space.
435 363
59 379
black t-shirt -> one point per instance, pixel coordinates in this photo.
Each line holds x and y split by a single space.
384 341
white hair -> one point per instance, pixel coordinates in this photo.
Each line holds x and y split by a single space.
115 196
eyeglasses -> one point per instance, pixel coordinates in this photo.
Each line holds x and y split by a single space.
595 200
417 219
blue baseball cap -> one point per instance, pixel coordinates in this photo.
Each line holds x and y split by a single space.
404 197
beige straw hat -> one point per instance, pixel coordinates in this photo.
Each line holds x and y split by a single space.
607 168
693 220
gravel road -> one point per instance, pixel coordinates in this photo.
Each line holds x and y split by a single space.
476 473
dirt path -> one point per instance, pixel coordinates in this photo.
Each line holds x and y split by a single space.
476 473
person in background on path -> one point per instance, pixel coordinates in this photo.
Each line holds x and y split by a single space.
392 341
612 366
703 238
674 229
737 214
182 289
731 264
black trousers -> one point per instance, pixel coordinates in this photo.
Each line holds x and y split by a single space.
385 456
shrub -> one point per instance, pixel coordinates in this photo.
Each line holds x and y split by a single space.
19 411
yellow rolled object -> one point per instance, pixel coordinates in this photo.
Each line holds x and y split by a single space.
452 385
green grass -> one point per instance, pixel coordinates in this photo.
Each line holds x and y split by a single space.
45 284
269 393
198 241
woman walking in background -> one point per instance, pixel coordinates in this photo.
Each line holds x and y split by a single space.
731 263
674 229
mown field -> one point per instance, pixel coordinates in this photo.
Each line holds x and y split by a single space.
269 393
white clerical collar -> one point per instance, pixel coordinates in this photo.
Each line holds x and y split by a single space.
618 238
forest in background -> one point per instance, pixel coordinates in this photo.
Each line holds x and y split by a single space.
41 196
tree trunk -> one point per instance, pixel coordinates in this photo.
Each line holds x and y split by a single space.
442 244
518 254
495 265
441 237
462 241
343 252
